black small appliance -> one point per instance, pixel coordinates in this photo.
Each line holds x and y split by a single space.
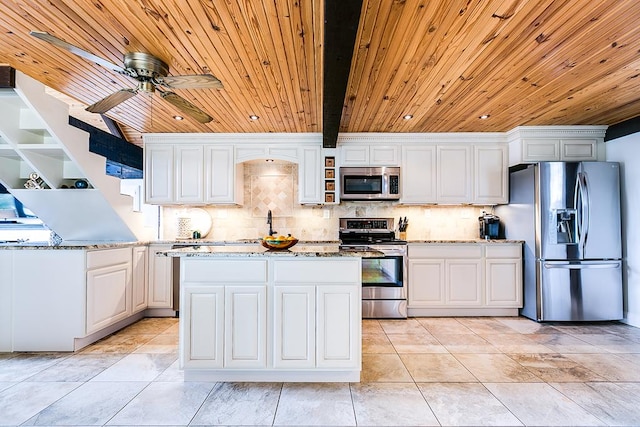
489 226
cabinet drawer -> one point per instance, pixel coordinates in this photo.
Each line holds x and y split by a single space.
103 258
224 270
501 250
452 250
324 271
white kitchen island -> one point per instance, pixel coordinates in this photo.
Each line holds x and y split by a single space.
249 314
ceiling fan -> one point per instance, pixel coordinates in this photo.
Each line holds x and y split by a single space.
151 74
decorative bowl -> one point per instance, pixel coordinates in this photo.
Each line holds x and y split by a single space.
278 243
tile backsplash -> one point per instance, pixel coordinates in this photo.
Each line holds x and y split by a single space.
273 186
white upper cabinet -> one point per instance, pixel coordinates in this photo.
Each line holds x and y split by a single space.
159 174
310 175
369 155
454 174
222 176
531 144
189 174
490 184
419 174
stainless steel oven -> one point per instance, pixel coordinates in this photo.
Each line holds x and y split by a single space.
384 278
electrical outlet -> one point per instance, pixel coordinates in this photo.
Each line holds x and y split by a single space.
326 213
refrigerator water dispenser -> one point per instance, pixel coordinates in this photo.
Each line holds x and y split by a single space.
564 226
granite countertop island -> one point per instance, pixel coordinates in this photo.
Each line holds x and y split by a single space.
253 250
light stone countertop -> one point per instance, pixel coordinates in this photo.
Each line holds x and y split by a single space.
299 250
490 241
75 245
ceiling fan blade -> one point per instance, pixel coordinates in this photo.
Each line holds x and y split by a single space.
77 51
107 103
185 106
190 82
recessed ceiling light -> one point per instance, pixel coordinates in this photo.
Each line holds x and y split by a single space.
484 117
254 117
408 117
178 117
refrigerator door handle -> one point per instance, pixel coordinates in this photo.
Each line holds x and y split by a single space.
581 203
582 266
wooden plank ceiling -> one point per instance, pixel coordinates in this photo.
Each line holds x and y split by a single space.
445 62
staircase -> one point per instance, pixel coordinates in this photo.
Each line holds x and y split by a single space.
35 137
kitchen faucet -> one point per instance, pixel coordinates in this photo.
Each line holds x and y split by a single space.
270 222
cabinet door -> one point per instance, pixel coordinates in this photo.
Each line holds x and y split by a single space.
540 150
354 155
454 174
463 282
578 149
159 174
108 296
140 282
419 174
202 326
384 155
160 278
426 282
219 174
294 327
504 282
189 174
310 176
245 328
339 313
490 175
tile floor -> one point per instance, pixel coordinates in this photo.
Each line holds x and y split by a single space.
427 371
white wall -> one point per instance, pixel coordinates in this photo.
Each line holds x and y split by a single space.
626 150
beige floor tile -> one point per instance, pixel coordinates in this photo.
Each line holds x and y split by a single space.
516 343
444 325
486 325
609 402
408 326
496 368
376 343
383 368
371 326
541 405
466 404
436 368
613 367
411 343
465 343
313 404
523 325
565 343
554 367
380 404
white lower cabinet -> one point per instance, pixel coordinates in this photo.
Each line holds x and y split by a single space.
160 278
109 287
140 282
245 326
464 279
294 326
271 319
202 342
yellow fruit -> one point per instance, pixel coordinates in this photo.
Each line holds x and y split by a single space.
267 237
281 237
290 237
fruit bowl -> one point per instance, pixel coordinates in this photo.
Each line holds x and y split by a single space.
275 243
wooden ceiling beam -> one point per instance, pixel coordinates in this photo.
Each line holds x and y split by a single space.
341 19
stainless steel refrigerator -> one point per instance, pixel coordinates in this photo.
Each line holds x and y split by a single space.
568 214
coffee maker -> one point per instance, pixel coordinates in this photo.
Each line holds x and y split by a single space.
489 226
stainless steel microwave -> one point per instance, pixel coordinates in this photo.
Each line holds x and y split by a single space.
370 183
